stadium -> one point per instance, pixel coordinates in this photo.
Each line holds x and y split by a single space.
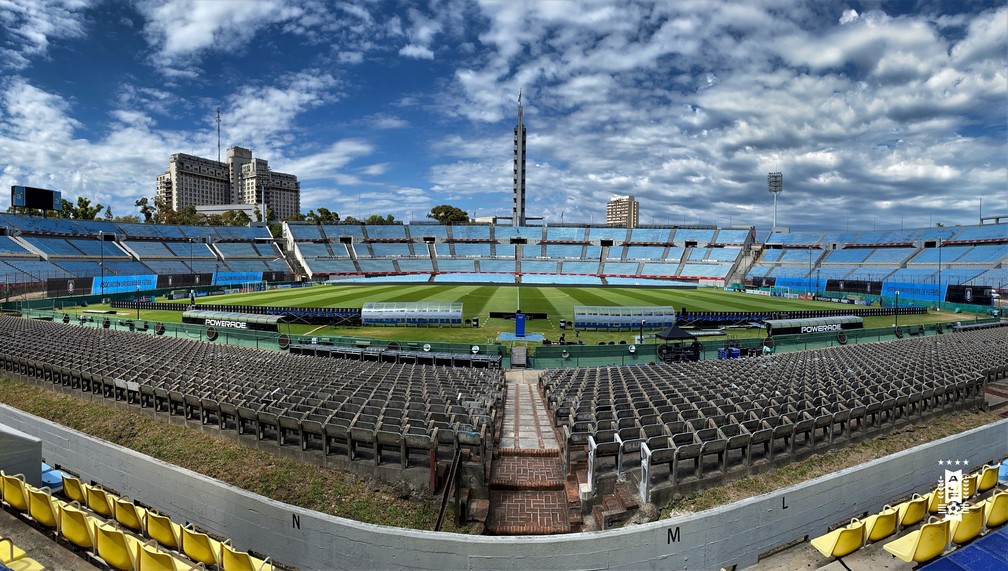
481 395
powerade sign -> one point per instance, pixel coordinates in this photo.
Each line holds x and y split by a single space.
122 284
924 292
228 278
226 323
821 328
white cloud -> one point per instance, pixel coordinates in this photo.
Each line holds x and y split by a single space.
417 52
31 25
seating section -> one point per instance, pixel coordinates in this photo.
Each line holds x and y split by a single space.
39 248
972 255
358 410
113 531
919 529
697 421
461 253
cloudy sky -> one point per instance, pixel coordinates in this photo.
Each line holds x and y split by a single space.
878 114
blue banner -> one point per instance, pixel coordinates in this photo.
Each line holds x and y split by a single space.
803 284
925 292
228 278
122 284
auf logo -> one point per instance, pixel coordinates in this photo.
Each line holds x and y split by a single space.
953 489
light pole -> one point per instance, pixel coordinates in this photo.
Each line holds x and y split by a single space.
939 274
642 331
192 270
138 302
101 238
896 322
810 269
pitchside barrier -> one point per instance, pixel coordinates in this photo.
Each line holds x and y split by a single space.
281 340
343 316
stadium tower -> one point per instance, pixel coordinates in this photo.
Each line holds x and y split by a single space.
518 208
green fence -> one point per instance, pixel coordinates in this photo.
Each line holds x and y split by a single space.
249 338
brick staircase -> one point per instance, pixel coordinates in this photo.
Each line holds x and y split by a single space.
528 494
997 398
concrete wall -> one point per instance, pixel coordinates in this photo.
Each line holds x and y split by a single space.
734 534
21 453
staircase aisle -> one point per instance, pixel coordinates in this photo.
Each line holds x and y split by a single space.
527 486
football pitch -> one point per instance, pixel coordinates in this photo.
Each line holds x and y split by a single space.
557 302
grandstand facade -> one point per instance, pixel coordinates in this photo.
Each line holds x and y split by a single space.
91 256
564 254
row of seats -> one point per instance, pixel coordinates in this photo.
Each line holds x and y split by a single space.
933 537
121 533
366 409
702 419
14 558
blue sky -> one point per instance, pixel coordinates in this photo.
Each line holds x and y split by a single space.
879 114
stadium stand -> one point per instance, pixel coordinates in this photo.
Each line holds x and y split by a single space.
700 421
365 409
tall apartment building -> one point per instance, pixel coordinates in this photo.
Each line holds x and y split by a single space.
196 181
622 211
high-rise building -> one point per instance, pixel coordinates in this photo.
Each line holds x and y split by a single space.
622 211
240 181
518 208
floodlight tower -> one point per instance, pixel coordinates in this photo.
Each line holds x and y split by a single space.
775 184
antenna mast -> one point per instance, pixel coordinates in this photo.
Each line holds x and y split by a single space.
218 135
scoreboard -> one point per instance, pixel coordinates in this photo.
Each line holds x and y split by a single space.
41 198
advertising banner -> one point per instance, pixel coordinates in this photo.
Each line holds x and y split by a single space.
122 284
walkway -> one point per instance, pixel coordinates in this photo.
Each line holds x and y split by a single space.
527 483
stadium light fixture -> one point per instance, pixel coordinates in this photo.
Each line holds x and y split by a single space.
896 321
775 185
939 273
101 238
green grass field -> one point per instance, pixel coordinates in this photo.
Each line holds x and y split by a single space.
480 300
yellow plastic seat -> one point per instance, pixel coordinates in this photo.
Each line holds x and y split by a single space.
150 558
42 507
8 551
881 525
969 486
128 514
841 541
969 525
199 547
162 529
14 557
15 494
912 511
26 564
922 544
996 509
113 547
234 560
76 527
73 489
936 498
99 501
988 478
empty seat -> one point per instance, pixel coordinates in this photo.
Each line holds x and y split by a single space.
996 509
162 529
43 508
881 525
116 548
967 525
841 541
15 492
75 526
199 546
14 558
234 560
921 545
73 489
912 510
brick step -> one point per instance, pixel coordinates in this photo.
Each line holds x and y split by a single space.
527 512
998 390
530 485
529 452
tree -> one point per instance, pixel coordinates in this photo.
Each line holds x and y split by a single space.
84 210
326 216
189 217
350 220
235 218
108 214
147 209
377 219
448 214
128 219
